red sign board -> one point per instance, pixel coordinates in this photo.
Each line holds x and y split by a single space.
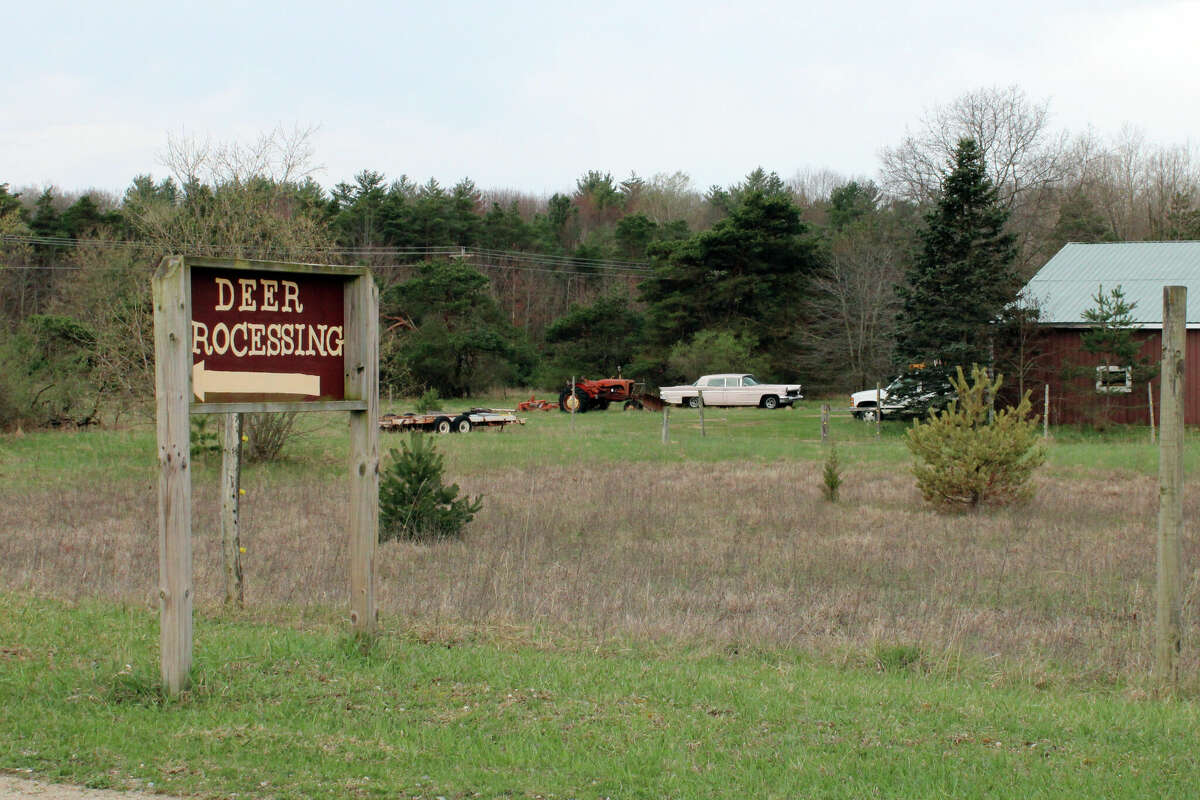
267 336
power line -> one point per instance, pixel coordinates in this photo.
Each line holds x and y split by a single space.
483 257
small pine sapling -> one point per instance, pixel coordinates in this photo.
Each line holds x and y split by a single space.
413 502
832 475
965 460
430 400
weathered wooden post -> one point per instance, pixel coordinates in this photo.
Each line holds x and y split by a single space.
700 395
360 304
824 423
172 368
231 484
1150 407
666 428
1168 639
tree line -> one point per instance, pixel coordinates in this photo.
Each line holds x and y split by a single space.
836 281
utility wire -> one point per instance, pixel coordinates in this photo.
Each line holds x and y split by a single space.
596 265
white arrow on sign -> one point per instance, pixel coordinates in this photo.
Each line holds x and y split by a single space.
209 381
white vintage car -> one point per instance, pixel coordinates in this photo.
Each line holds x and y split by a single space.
732 389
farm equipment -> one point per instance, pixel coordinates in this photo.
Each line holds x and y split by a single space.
533 404
586 395
445 423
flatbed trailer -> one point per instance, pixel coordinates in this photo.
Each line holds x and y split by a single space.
441 422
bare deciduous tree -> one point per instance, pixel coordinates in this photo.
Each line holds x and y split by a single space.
1021 153
1023 157
810 185
246 200
668 197
1137 187
853 308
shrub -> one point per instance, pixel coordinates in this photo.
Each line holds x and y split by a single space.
430 400
964 459
832 475
205 440
266 435
413 502
714 351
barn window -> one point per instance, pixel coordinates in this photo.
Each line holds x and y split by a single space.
1114 380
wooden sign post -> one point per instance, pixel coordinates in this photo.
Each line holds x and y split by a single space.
257 336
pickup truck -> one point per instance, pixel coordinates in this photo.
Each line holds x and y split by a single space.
913 394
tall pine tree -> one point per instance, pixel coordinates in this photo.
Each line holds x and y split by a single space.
963 276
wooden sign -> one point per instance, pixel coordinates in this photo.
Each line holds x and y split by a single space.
258 336
262 335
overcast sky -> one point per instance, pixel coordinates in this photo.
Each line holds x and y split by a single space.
532 95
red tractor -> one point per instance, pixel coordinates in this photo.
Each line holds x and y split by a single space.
586 395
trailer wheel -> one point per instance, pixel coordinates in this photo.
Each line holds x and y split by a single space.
442 425
632 405
461 424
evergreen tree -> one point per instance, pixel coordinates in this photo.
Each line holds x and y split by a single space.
46 219
964 274
748 275
1119 363
460 337
851 202
595 339
414 503
10 204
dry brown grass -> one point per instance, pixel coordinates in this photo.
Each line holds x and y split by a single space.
739 555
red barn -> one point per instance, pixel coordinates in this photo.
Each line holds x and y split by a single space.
1083 388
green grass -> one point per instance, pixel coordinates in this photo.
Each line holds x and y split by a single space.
554 439
287 705
298 709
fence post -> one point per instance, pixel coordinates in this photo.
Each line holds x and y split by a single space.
1168 639
700 394
666 428
1150 400
824 423
878 408
1046 415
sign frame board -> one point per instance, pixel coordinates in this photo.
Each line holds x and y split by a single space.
176 344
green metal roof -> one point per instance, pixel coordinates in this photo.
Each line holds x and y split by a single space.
1067 285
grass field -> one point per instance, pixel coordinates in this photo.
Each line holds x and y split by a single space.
624 618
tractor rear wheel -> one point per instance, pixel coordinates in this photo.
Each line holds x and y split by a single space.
569 401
